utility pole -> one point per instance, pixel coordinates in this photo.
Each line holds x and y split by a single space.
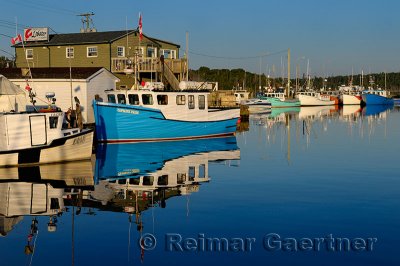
86 21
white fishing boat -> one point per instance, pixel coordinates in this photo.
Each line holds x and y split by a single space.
37 136
350 95
311 98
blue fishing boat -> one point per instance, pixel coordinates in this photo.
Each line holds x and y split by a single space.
130 160
158 115
371 97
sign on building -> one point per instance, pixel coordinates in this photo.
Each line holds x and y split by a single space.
36 34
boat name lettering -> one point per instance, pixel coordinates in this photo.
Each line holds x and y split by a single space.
127 111
128 172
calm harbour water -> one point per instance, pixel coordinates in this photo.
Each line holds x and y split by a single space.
307 173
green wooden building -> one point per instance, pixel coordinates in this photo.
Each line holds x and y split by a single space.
120 52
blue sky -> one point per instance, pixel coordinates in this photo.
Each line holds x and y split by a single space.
336 36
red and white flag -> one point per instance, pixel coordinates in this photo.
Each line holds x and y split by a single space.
17 39
140 27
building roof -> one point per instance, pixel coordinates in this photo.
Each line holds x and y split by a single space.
50 73
86 38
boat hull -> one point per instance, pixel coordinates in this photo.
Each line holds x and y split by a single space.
127 123
370 99
70 148
347 99
306 100
277 103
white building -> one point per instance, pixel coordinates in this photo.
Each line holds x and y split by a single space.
84 84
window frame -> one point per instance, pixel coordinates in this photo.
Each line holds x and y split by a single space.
202 103
92 47
118 51
179 99
191 102
29 54
69 52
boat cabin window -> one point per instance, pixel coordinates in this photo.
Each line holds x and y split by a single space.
162 180
133 99
134 181
147 99
192 173
122 181
191 101
180 99
202 171
53 121
181 178
202 102
111 98
148 180
121 98
162 99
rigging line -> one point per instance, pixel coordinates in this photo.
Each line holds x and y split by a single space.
34 246
238 58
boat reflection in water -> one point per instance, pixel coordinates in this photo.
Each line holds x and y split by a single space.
377 111
39 192
156 169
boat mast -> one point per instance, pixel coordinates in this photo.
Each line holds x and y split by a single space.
288 82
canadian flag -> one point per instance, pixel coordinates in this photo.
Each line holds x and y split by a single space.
17 39
140 27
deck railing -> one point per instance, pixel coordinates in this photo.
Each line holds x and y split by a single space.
147 64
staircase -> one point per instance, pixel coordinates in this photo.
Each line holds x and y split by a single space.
170 77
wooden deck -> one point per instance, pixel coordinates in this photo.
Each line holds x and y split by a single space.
177 66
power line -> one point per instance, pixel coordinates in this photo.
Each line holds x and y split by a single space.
238 58
43 7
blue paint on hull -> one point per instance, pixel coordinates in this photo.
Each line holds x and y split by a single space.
370 99
138 159
375 109
125 123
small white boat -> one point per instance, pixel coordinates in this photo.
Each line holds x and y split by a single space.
257 106
311 98
38 136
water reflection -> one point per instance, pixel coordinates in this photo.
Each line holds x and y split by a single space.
127 178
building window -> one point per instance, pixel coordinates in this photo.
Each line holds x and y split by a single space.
121 51
202 102
162 99
168 54
151 52
29 53
69 52
147 99
180 100
92 51
191 101
133 99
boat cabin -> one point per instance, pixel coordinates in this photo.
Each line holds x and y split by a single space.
277 95
382 93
